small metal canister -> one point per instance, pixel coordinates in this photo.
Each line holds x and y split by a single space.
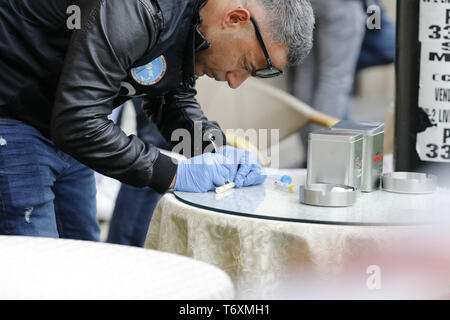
372 160
335 157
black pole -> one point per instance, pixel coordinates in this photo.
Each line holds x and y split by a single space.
407 85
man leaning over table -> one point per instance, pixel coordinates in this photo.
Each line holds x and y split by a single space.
59 84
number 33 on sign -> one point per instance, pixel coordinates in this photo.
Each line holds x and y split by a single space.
434 144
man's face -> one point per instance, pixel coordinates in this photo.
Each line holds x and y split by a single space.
235 52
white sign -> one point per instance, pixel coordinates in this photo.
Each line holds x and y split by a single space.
434 85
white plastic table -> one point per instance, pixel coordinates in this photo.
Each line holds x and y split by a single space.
44 268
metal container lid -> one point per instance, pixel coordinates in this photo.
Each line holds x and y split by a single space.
338 136
409 182
328 195
366 127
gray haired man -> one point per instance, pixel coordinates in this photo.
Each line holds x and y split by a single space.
58 85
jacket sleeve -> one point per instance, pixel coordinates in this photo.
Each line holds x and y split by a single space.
180 111
113 35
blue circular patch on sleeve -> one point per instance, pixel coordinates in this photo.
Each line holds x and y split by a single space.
150 73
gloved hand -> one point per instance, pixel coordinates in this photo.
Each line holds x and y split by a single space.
203 173
248 172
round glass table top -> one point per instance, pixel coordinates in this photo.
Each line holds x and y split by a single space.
269 201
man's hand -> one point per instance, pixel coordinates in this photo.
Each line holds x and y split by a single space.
248 168
203 173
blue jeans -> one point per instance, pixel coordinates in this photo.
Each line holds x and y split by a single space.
378 47
132 214
43 191
134 206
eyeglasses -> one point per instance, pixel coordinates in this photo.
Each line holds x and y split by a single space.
270 71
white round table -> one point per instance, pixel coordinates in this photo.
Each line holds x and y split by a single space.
44 268
272 246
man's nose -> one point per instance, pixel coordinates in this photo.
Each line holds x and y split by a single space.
235 79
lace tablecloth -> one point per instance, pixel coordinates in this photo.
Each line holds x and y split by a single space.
41 268
272 259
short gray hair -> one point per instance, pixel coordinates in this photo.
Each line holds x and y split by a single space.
291 23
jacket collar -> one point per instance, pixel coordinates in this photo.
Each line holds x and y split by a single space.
197 43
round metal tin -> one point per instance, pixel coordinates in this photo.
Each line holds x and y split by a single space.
409 182
328 195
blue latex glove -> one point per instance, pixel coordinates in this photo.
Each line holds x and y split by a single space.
203 173
248 171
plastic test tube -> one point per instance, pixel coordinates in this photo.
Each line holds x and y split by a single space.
285 186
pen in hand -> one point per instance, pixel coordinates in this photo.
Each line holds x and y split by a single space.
229 184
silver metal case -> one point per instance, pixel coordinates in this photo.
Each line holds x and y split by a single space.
335 157
373 148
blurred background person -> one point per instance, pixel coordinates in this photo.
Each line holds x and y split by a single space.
133 207
378 47
326 77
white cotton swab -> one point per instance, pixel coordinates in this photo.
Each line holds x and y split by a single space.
225 187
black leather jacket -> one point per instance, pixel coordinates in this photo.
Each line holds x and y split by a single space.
66 82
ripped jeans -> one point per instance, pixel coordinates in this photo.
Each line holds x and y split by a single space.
43 191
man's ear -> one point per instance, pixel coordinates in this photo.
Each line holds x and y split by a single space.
237 17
